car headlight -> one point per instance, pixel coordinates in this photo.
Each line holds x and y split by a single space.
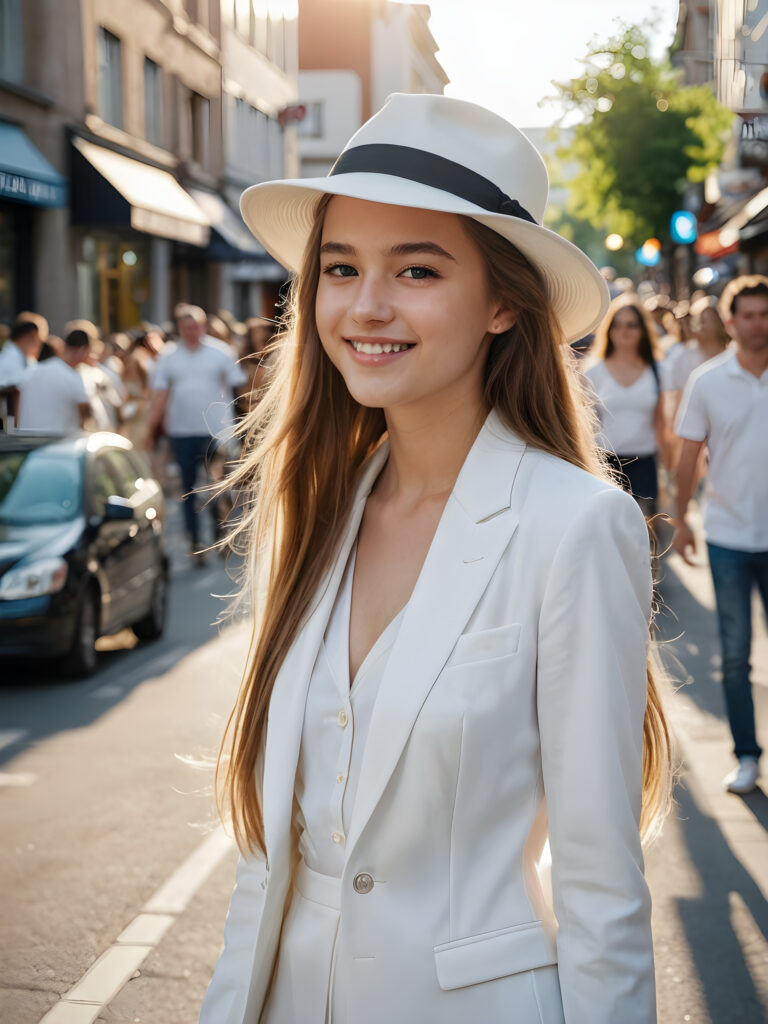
34 579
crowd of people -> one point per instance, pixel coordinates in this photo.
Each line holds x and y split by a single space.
694 404
680 392
174 392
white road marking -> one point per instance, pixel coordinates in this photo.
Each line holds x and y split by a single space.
173 897
16 780
146 930
102 981
10 736
72 1013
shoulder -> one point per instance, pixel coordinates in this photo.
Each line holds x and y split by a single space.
217 350
713 369
559 500
595 370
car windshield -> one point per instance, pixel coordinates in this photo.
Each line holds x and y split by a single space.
39 487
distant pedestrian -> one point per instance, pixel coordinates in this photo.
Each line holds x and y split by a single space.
19 352
53 395
626 380
193 388
725 406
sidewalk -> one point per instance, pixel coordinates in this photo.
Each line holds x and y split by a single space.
709 872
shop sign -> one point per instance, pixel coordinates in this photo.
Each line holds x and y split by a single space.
28 190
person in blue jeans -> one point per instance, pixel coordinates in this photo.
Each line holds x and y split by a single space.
193 389
725 406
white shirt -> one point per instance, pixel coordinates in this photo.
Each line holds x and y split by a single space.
336 722
50 394
678 368
13 364
626 413
102 394
726 406
200 383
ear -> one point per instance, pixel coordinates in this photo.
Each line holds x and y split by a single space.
502 319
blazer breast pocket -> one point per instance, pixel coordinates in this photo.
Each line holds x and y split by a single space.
486 645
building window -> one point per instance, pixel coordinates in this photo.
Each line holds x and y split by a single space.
313 124
11 41
110 79
153 102
200 110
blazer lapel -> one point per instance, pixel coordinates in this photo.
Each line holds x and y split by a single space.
474 531
286 706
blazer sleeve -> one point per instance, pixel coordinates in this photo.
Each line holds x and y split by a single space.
591 694
227 995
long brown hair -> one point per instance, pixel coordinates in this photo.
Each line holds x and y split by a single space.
647 349
305 444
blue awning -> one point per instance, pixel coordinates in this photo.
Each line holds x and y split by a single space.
25 174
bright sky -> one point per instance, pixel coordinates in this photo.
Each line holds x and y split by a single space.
504 54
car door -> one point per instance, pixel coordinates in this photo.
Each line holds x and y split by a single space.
142 559
111 544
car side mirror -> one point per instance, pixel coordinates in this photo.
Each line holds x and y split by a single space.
117 508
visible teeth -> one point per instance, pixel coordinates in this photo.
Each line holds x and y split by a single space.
376 349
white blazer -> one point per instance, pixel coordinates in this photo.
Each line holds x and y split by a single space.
511 710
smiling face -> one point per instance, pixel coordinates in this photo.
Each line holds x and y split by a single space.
403 307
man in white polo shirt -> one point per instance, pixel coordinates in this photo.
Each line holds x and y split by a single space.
193 387
725 405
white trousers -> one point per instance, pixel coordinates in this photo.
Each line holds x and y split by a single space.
302 990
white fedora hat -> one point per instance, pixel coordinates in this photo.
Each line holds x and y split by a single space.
439 153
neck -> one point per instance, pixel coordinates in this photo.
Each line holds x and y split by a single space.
754 360
192 345
427 448
711 347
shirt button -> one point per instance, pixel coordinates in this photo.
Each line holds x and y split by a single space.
337 837
339 778
342 718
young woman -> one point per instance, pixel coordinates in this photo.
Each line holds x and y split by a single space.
625 377
449 656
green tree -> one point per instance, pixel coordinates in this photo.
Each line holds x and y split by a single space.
642 136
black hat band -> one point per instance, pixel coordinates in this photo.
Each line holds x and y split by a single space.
432 170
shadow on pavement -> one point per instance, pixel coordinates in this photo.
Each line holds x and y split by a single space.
731 903
37 702
693 661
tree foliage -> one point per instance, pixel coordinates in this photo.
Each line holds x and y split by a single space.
642 137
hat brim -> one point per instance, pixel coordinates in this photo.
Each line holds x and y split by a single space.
280 214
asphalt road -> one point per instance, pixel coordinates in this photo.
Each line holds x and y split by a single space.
109 854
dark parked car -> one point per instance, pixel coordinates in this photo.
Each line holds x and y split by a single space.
81 546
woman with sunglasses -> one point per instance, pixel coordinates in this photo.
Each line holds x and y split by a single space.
624 373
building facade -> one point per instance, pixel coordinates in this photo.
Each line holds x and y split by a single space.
724 43
352 55
125 106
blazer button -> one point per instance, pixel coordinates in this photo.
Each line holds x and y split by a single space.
362 883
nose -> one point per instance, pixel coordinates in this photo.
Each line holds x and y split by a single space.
371 301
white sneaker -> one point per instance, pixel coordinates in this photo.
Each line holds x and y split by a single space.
743 778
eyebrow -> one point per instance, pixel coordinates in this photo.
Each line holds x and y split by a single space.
404 249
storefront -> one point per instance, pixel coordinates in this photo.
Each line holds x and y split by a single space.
126 215
28 186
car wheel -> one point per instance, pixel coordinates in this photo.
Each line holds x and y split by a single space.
151 626
81 660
